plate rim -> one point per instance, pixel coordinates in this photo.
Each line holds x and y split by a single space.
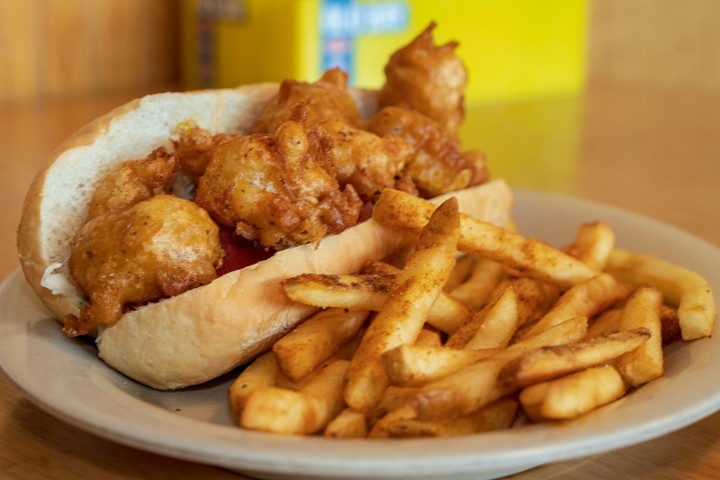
218 451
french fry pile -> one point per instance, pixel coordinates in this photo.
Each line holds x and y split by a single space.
480 329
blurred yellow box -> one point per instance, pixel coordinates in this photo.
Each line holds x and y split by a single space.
513 49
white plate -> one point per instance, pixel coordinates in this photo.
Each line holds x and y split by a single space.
66 378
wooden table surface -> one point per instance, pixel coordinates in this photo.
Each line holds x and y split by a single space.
650 150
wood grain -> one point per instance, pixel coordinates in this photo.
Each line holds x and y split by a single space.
644 137
52 48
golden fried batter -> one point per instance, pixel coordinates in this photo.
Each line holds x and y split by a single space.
438 165
272 189
157 248
428 78
327 98
193 147
357 157
132 181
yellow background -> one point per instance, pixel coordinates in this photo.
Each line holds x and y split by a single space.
514 49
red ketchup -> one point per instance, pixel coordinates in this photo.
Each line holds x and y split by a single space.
239 253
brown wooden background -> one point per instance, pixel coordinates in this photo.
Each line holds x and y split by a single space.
52 48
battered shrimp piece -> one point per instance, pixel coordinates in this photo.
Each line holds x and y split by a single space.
357 157
327 98
132 181
428 78
438 164
273 190
159 247
194 146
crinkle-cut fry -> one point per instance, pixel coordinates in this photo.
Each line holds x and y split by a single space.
367 292
593 244
348 424
417 365
646 362
411 298
528 256
304 412
546 363
475 386
496 416
261 372
681 287
500 323
317 338
463 267
573 395
587 298
476 290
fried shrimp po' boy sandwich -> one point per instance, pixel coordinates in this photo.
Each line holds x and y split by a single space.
164 228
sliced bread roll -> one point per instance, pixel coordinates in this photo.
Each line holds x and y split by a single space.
205 332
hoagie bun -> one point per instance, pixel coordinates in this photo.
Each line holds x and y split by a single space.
202 333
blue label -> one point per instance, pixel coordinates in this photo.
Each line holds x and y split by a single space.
342 21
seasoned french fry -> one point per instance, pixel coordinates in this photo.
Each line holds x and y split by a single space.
475 291
467 331
348 424
535 298
393 398
378 267
609 322
605 323
500 323
497 416
301 351
306 411
404 411
646 362
573 395
546 363
476 385
463 267
429 337
399 321
530 257
670 321
465 391
262 372
417 365
593 244
367 292
587 298
680 287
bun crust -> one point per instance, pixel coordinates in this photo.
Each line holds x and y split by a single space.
205 332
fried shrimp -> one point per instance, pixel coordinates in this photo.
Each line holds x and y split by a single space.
438 164
273 189
357 157
194 146
133 181
157 248
428 78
